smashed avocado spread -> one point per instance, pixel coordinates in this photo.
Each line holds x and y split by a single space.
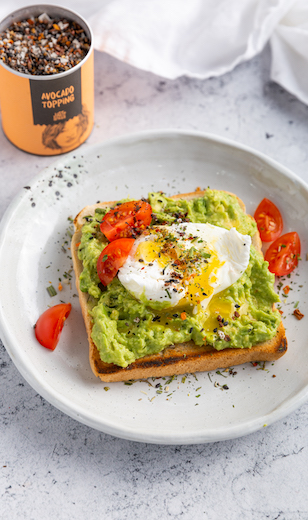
124 329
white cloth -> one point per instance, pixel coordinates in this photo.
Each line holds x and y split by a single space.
199 38
289 44
205 38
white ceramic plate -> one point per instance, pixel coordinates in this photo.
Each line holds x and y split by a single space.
34 252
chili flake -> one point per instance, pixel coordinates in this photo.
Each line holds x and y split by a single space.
299 315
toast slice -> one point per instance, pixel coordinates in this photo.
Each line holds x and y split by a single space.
180 358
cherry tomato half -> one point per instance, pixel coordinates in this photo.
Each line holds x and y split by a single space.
112 258
126 220
282 255
269 220
50 324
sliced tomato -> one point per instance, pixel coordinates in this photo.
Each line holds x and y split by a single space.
126 220
112 258
269 220
50 324
283 254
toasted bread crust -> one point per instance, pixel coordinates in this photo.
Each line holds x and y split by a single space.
180 358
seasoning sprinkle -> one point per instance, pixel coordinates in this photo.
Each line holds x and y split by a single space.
43 46
299 315
51 290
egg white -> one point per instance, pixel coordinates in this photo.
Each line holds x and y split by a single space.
209 258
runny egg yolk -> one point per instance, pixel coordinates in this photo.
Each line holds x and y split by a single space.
201 285
198 283
218 306
150 251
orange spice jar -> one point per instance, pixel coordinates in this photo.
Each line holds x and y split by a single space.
47 85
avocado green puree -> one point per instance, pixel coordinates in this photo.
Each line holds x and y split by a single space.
125 329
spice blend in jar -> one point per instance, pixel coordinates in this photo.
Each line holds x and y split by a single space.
43 45
46 79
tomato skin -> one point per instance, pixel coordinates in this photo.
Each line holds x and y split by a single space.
269 221
50 324
112 258
282 255
126 220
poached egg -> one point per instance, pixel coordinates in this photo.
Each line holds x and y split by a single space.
184 264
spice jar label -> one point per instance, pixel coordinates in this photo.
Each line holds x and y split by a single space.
56 100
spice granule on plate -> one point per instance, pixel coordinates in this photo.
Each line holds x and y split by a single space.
43 46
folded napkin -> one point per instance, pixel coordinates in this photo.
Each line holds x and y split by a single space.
289 44
199 38
205 38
